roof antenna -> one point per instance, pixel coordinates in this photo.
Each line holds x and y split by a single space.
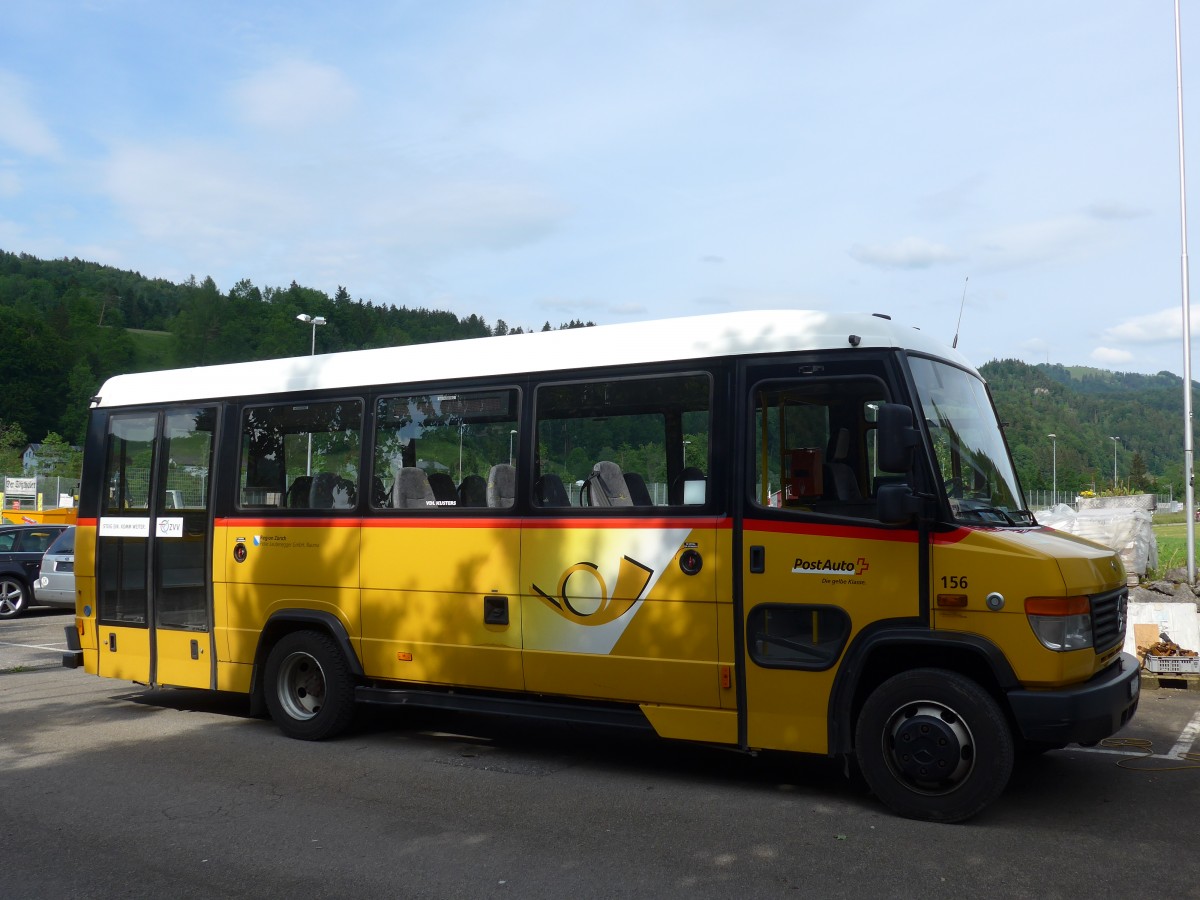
954 345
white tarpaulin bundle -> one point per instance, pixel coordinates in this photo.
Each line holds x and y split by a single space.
1128 531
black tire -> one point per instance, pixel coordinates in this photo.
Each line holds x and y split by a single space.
14 597
934 745
308 688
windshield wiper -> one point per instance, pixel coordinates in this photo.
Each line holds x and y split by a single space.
989 510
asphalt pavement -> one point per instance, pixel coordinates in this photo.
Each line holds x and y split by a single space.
109 789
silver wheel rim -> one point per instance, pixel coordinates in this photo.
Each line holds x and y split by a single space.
301 686
929 747
11 598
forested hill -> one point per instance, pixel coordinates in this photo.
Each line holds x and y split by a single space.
1085 408
69 324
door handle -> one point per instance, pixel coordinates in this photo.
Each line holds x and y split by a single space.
758 559
495 610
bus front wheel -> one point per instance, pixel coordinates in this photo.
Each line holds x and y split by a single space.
308 688
934 745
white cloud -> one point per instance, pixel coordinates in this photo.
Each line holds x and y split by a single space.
21 128
908 253
1029 243
1111 355
294 95
1152 328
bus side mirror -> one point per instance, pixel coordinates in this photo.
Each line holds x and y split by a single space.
898 439
896 504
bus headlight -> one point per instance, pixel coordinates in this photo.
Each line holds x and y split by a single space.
1060 623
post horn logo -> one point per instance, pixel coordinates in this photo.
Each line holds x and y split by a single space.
632 578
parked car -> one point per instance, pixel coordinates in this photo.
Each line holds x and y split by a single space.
56 586
21 550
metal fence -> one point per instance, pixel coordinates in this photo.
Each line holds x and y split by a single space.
1047 499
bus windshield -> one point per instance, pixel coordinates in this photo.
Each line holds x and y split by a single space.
972 459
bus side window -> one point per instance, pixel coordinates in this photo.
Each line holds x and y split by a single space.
441 451
623 443
814 449
301 456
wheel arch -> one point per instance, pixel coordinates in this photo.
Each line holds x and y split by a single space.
284 622
876 656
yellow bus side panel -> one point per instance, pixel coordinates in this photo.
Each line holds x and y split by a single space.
788 707
175 664
993 562
220 591
710 726
250 605
289 554
426 591
234 677
609 614
286 567
440 638
130 661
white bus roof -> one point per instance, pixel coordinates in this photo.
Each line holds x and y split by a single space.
661 340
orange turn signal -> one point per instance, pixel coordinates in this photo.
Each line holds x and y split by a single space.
1057 606
953 601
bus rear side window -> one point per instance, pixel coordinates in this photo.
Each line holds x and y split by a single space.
446 450
301 456
624 443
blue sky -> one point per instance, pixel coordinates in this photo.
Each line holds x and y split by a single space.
544 160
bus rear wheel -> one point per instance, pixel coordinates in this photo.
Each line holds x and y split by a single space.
308 688
934 745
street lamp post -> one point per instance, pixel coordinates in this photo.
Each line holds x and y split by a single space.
1116 440
461 426
1053 468
510 447
314 321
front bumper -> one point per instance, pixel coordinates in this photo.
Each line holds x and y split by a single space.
1083 713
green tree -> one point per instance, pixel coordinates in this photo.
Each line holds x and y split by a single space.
12 444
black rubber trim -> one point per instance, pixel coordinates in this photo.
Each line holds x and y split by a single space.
326 621
608 716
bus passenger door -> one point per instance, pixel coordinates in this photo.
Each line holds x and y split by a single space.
817 566
153 559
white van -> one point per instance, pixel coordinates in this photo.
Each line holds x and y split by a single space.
56 586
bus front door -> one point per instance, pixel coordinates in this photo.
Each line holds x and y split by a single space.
818 567
153 554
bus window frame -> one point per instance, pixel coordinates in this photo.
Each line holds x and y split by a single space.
713 375
751 409
519 393
241 406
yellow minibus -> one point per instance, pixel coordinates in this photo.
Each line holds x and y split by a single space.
784 530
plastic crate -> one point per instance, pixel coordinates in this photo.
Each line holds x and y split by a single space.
1174 665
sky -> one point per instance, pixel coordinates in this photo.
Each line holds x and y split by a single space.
1012 167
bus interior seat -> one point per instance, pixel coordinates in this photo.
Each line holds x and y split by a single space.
606 486
297 495
841 482
639 494
689 488
473 491
411 490
502 486
549 491
330 491
443 488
